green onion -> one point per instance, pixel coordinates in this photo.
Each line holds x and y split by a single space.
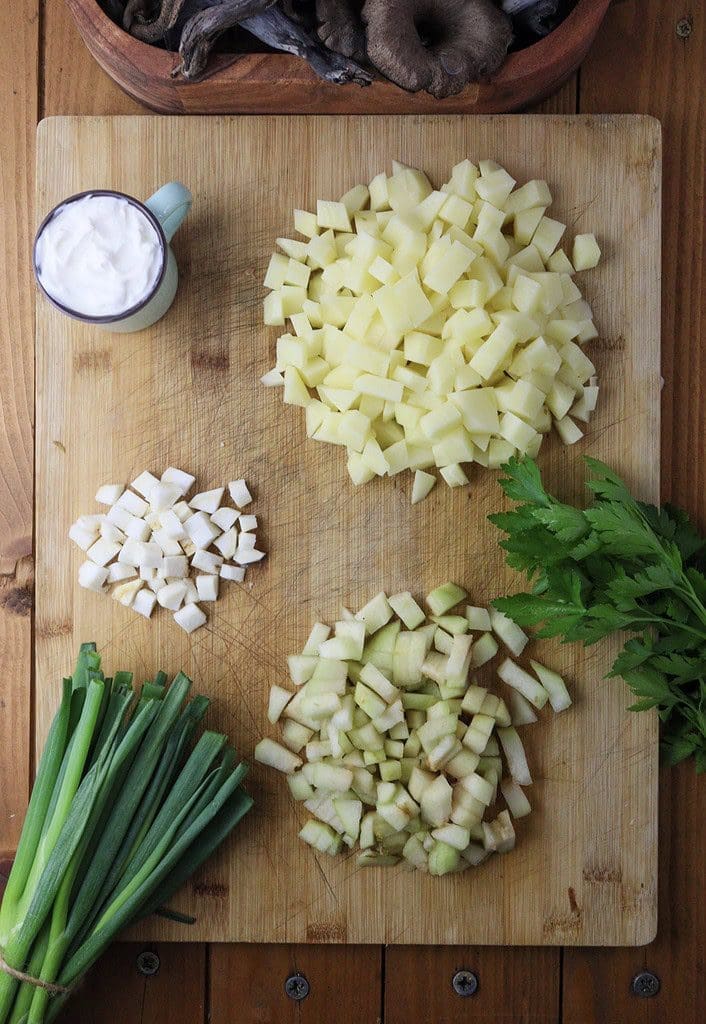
121 814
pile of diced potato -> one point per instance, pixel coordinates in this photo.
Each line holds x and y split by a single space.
433 328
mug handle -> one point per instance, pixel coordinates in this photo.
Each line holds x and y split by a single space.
170 204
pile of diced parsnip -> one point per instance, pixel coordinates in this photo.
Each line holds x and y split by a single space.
405 752
433 328
153 546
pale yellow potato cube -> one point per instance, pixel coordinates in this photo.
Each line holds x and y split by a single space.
339 399
374 457
456 446
276 271
446 272
292 299
568 431
383 271
456 210
332 215
517 432
441 375
499 451
297 273
559 263
528 259
466 377
428 210
585 253
421 348
560 399
354 430
403 305
530 195
526 294
577 360
305 223
588 332
483 270
358 470
412 380
273 313
379 199
440 421
495 353
479 410
357 198
371 407
360 318
295 249
467 294
396 457
336 309
547 236
525 400
495 187
454 475
537 355
495 245
526 223
314 371
407 188
321 251
463 179
295 390
562 331
315 413
423 483
379 387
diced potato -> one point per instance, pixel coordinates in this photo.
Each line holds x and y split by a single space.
586 252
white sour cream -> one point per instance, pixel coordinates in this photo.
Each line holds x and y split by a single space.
99 256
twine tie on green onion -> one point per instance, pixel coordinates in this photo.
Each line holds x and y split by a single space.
52 989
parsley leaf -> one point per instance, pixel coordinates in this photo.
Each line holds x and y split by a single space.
619 565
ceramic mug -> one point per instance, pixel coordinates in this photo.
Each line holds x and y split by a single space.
165 211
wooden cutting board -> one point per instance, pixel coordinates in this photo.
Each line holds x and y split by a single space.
187 393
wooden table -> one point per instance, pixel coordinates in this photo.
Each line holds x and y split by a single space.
648 58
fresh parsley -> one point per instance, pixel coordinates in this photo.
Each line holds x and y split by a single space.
619 565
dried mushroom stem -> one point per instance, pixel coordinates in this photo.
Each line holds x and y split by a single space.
203 28
283 33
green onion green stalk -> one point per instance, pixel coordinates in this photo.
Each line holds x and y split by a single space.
125 807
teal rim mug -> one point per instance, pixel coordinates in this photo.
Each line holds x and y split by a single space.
165 211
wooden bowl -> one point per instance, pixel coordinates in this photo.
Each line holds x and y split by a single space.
266 83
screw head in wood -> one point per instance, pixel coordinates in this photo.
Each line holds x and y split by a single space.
147 963
297 987
645 985
465 983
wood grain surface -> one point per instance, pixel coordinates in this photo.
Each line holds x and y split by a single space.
107 407
638 64
18 102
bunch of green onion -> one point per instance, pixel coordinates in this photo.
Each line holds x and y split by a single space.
122 812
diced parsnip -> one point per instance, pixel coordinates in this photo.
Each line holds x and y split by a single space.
554 685
509 632
514 796
527 685
276 756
